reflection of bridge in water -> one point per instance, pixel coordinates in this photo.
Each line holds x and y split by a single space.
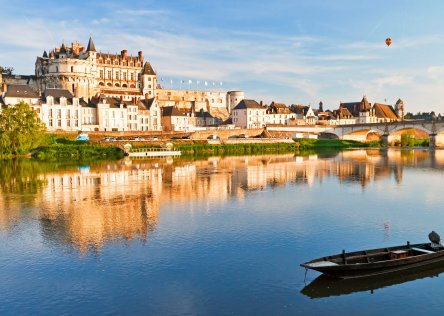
389 132
87 208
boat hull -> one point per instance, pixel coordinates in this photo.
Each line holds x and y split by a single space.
332 266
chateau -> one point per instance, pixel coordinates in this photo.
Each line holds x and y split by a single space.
87 73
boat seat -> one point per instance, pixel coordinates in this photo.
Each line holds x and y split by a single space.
422 250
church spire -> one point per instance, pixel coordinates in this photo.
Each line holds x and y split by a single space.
91 47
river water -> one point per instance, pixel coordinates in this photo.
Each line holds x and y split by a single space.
216 236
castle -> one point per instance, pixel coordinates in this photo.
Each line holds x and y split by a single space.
87 73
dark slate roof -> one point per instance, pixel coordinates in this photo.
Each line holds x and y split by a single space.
352 107
299 109
57 94
248 104
148 70
20 91
173 111
145 104
63 49
355 107
113 102
45 54
91 47
205 115
384 111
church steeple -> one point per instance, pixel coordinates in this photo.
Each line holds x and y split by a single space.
91 47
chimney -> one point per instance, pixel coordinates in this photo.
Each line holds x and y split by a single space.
146 96
134 100
140 56
124 53
121 99
261 103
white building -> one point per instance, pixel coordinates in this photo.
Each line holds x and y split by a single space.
174 119
14 94
249 114
279 114
60 110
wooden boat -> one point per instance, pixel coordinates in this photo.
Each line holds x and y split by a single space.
377 261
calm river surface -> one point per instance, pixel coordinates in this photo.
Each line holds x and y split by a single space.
218 236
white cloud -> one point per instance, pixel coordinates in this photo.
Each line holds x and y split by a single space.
142 12
435 72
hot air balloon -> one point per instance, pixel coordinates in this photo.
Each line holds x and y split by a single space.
388 41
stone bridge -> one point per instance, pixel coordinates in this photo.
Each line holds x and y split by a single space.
387 131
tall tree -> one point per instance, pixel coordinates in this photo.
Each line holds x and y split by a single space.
6 70
20 130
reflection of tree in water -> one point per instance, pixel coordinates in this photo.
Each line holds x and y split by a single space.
21 181
21 176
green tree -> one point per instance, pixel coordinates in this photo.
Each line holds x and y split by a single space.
20 130
6 70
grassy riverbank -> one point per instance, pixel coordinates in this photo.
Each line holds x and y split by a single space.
306 144
64 149
199 148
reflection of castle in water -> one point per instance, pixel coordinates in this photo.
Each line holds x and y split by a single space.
121 201
89 209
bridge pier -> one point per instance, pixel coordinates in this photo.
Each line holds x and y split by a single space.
385 140
432 141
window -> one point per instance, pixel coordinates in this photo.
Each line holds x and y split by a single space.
101 73
132 77
117 76
109 74
72 68
124 76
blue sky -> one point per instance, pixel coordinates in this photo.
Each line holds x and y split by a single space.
286 51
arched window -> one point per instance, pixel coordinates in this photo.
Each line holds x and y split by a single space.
101 84
132 85
124 85
109 84
117 85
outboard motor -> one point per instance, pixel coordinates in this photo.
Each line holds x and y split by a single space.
435 239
